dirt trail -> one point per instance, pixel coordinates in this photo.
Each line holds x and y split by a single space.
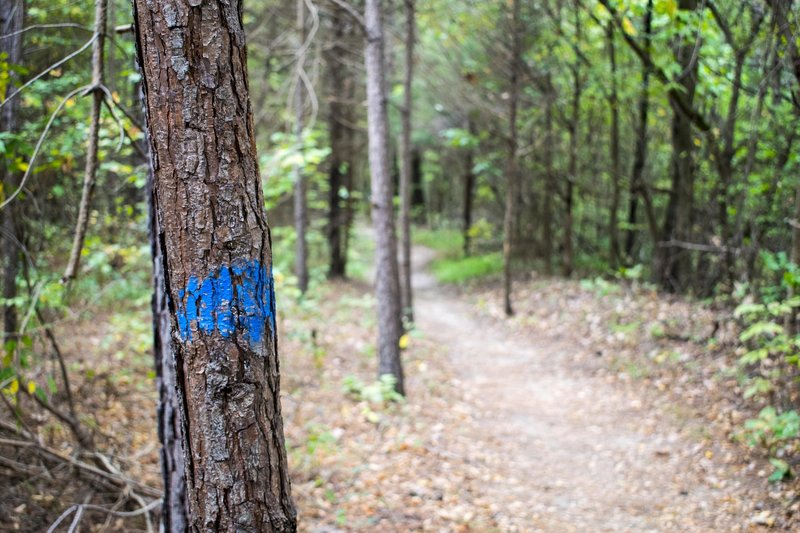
577 453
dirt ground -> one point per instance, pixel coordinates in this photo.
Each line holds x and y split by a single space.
580 450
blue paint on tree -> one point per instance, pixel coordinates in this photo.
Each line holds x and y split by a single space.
236 298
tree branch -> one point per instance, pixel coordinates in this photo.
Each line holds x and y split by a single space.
674 96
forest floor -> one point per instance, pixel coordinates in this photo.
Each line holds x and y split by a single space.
597 407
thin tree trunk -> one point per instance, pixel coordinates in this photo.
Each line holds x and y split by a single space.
418 188
174 509
572 175
387 284
613 103
12 15
512 170
90 172
674 264
637 186
550 187
469 189
572 172
406 169
300 204
337 160
217 264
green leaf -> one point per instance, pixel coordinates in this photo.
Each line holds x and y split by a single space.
782 469
760 329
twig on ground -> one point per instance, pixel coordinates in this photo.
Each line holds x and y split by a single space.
80 508
115 480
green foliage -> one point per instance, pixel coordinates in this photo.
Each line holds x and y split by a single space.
448 242
770 361
380 392
773 432
600 285
285 157
465 269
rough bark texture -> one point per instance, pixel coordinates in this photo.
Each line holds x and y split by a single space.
512 165
406 294
387 286
12 14
217 264
174 510
300 202
90 172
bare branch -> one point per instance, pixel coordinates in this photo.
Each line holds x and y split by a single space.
353 12
38 147
46 27
48 69
80 508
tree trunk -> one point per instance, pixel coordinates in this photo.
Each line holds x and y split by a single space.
572 171
336 133
406 170
90 172
387 284
469 190
550 186
637 186
174 509
512 170
217 264
675 263
613 103
572 175
12 15
418 187
300 203
780 9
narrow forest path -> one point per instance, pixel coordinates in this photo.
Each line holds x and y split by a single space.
576 452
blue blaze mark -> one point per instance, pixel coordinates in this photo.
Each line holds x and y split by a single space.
207 300
237 297
224 295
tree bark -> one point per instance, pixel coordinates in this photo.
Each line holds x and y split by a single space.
174 511
12 15
90 172
387 284
217 264
512 170
406 293
300 202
